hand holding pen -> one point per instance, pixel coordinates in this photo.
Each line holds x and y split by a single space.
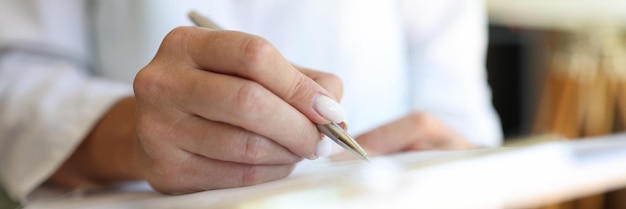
219 109
324 105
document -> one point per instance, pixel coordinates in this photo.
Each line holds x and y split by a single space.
526 176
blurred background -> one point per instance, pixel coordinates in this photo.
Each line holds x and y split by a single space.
516 64
559 67
556 59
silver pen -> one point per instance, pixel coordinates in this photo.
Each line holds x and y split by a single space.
332 130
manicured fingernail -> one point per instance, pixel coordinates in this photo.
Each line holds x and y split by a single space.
323 148
329 109
314 157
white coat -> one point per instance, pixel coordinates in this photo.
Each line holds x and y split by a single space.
63 63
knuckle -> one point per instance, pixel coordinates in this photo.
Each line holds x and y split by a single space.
300 85
176 44
415 118
257 151
154 76
150 82
253 153
250 100
423 122
251 175
255 51
420 118
143 82
429 121
417 121
293 159
176 35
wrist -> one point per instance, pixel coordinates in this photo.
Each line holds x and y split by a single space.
107 153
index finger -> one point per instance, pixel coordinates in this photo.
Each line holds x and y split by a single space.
254 58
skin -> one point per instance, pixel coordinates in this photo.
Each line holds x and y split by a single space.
416 131
210 112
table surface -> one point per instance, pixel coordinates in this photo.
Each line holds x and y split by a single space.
525 176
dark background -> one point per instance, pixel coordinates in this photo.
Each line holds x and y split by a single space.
515 66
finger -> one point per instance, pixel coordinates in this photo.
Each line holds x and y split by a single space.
253 58
389 138
328 81
196 173
434 134
246 104
415 132
225 142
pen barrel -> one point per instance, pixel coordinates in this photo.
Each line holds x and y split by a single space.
341 137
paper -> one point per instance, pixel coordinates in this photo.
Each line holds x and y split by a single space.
306 174
487 178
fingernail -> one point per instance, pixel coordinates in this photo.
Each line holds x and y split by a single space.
329 108
323 148
314 157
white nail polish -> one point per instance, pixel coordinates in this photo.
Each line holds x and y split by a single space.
324 147
329 109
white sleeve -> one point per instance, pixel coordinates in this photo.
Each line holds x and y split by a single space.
448 48
48 101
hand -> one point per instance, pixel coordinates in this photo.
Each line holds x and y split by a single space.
416 131
217 109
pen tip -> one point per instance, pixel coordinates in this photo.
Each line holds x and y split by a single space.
365 157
